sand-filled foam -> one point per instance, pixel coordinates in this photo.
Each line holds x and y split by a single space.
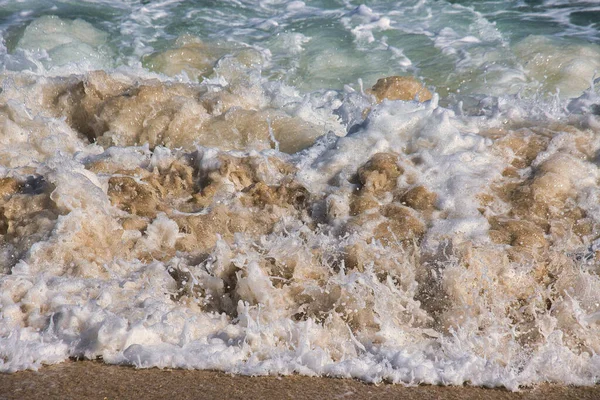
355 249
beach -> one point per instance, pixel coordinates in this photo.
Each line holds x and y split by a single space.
94 380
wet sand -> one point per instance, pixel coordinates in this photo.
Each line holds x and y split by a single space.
94 380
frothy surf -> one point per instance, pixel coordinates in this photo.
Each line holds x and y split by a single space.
401 192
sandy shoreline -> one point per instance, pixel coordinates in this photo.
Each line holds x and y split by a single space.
94 380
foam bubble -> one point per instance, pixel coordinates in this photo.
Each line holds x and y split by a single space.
57 42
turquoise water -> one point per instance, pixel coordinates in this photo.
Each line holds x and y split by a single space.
319 45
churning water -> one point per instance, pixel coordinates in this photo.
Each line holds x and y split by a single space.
233 185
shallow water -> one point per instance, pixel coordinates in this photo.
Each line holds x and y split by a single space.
234 186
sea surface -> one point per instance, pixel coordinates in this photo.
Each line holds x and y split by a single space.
397 191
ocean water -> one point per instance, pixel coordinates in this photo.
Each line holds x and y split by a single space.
398 191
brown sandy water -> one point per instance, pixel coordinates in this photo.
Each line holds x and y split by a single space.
199 257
